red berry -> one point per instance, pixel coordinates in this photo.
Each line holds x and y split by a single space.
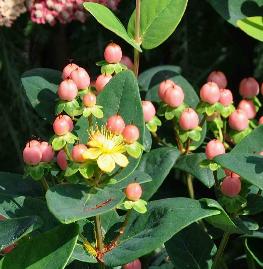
127 61
260 120
115 124
47 152
174 97
81 78
62 160
189 119
230 173
136 264
219 78
261 153
89 99
113 53
166 84
148 110
61 125
210 93
77 153
32 155
248 88
214 148
102 81
226 97
68 69
238 120
131 134
69 121
67 90
2 217
32 143
248 107
133 191
231 186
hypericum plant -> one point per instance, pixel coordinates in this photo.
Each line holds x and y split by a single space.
110 151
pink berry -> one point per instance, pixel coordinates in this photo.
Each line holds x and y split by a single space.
81 78
248 107
102 81
32 155
131 134
230 173
214 148
2 217
32 143
238 120
219 78
248 88
261 153
174 97
115 124
89 99
210 93
8 249
260 120
136 264
62 160
67 90
113 53
226 97
69 121
166 84
61 125
77 153
189 119
68 69
148 110
231 186
133 191
127 61
47 152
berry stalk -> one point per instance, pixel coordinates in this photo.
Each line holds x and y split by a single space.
137 37
99 238
220 250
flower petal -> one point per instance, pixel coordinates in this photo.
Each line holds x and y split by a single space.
92 153
106 163
120 159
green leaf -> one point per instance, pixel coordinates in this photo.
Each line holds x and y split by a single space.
72 202
41 86
253 246
140 206
238 136
248 166
80 254
191 164
159 19
81 128
157 164
146 232
58 142
121 96
186 253
134 150
12 230
106 18
50 250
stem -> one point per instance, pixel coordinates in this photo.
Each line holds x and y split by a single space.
190 186
137 37
178 142
67 152
45 184
188 144
220 250
99 238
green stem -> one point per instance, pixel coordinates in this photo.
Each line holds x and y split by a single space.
190 186
137 37
99 238
67 151
220 250
45 184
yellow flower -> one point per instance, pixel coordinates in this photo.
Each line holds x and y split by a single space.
107 148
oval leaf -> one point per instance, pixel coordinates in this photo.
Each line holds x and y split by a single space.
253 26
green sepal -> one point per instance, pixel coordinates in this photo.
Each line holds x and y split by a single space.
59 142
81 93
195 134
257 103
171 112
95 110
210 164
110 69
209 109
135 149
227 111
153 124
253 124
72 108
37 172
237 136
72 169
85 169
139 206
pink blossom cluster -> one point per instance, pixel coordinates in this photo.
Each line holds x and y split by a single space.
63 11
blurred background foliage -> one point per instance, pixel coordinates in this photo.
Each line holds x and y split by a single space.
203 42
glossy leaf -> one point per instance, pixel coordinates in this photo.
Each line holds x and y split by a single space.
191 164
191 248
159 19
41 85
80 254
72 202
149 231
157 164
50 250
106 18
253 26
